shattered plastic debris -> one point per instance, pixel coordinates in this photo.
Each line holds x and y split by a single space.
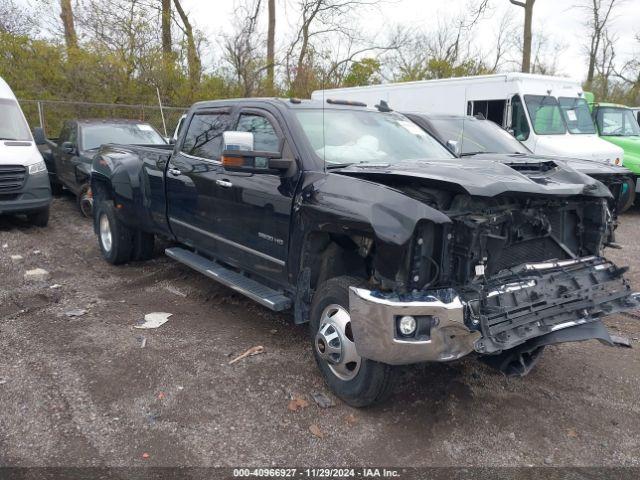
153 320
322 400
175 291
17 258
142 340
37 275
55 285
76 312
249 353
297 403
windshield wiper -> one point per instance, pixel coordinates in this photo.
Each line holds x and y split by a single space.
9 139
468 154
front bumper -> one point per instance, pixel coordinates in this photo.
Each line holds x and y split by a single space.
34 195
504 312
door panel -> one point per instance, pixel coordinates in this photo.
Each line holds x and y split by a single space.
191 176
253 210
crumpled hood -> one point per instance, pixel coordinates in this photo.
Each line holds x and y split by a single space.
19 153
488 178
588 167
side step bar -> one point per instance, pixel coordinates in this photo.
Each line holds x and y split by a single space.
256 291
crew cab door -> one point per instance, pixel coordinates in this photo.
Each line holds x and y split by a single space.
64 159
191 174
254 210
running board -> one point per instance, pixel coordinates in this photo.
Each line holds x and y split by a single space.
256 291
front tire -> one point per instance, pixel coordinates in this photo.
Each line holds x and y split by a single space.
358 381
114 237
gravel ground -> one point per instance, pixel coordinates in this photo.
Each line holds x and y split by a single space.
82 391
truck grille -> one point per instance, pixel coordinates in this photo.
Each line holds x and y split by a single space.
537 250
12 178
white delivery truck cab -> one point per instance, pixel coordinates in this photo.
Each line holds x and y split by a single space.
548 114
24 181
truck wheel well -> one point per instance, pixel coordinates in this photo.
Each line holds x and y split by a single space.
327 256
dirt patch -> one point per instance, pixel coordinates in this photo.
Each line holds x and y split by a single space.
81 391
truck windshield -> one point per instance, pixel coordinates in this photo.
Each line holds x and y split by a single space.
477 136
545 114
12 124
617 122
126 133
358 136
576 114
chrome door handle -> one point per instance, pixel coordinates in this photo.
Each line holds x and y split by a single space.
175 171
224 183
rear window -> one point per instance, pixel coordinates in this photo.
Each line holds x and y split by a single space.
12 123
126 133
204 135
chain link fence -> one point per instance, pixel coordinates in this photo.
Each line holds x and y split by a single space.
51 114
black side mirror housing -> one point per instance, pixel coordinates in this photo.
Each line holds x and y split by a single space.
68 147
39 136
255 162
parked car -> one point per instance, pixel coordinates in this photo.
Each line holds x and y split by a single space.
548 114
24 185
363 225
69 156
476 137
618 124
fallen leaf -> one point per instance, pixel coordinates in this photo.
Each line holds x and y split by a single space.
315 430
351 419
572 433
297 403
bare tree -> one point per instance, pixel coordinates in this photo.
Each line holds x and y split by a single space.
166 32
527 35
600 12
15 19
193 57
242 48
66 15
271 46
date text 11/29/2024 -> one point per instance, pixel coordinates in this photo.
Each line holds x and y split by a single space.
316 473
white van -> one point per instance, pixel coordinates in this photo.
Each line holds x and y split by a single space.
548 114
24 181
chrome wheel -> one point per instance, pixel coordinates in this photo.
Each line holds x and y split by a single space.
334 343
105 233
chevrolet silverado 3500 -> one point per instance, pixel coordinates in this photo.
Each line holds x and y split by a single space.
364 226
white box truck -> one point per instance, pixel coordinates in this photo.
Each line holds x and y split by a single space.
548 114
24 181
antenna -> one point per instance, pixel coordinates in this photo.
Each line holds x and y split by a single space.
464 118
324 140
164 125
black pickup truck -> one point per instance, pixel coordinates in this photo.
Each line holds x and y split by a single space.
365 226
69 156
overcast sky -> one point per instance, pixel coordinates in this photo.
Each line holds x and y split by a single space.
559 19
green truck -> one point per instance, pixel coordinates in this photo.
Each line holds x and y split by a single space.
618 124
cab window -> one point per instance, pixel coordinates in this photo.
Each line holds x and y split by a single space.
265 138
204 135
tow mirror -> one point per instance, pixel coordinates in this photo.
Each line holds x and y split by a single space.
255 162
68 147
454 147
239 155
39 136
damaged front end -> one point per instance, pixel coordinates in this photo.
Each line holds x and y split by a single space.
504 276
